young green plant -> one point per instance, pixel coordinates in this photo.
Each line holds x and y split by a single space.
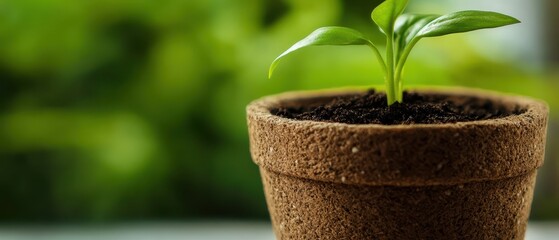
402 32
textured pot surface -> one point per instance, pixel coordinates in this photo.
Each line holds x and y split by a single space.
442 181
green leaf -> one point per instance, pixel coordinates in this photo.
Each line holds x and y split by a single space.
386 14
465 21
407 26
326 36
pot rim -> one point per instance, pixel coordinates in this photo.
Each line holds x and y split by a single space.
399 155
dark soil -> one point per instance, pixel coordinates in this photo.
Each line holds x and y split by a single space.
371 108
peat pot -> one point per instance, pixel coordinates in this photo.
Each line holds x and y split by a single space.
465 180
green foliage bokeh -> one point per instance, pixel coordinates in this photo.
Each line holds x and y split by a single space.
134 109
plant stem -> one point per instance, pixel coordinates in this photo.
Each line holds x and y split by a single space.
379 58
399 82
400 68
390 86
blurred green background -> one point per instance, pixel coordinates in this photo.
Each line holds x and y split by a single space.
133 110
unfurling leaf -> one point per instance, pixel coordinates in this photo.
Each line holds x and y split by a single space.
407 26
386 14
465 21
326 36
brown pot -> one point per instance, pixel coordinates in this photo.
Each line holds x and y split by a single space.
467 180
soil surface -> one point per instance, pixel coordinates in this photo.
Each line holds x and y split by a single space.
371 108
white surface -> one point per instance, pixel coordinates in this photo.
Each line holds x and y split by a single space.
543 231
194 231
144 231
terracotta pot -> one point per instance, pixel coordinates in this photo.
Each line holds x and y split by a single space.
467 180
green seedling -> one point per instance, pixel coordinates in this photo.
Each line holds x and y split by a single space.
402 31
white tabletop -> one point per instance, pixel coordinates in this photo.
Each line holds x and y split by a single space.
193 230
